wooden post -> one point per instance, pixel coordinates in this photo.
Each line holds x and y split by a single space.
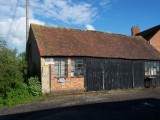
27 20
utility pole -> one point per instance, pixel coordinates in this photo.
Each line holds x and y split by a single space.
27 20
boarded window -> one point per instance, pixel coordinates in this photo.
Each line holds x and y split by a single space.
77 67
60 67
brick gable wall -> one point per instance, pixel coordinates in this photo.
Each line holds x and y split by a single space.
155 41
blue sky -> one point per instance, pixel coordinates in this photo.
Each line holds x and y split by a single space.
113 16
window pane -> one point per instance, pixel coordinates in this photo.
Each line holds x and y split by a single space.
148 64
72 68
154 71
63 69
76 67
60 67
80 72
63 62
63 74
55 62
157 68
56 72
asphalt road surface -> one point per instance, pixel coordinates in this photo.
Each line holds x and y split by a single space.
131 106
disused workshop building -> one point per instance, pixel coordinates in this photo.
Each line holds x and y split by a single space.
69 59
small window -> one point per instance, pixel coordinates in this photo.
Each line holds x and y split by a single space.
151 68
77 67
60 67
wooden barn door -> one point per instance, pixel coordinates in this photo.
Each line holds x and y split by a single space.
107 74
94 74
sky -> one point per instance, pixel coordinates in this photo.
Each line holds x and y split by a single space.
112 16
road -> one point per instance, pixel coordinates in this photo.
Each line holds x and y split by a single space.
135 105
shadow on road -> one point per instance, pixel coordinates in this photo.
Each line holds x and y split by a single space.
142 109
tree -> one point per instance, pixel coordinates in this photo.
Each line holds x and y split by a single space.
11 75
23 64
3 43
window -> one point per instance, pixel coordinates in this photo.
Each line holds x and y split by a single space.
60 67
77 67
151 68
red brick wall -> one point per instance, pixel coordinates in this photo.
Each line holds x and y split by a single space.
71 83
155 41
135 30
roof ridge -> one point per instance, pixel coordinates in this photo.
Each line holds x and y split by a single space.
68 28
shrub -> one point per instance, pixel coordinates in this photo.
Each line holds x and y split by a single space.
34 86
17 95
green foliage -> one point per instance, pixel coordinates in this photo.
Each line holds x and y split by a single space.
13 76
18 95
34 86
23 64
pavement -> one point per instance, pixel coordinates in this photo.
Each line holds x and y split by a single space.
113 105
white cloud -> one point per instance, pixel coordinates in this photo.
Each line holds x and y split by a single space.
89 27
65 10
17 34
17 41
4 25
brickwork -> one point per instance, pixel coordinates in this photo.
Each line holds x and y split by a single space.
135 30
71 83
155 41
50 83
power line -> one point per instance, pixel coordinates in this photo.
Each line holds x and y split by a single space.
13 16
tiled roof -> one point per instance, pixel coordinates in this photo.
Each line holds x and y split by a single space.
149 33
56 41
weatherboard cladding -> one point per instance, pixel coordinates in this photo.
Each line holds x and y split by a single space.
107 74
56 41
